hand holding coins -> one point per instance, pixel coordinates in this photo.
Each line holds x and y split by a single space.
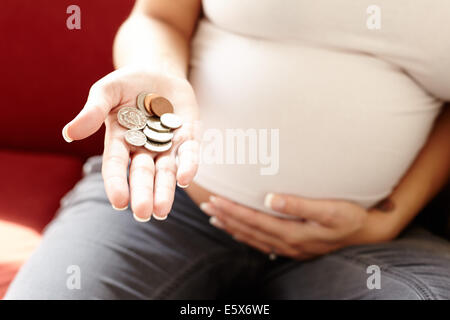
130 171
151 123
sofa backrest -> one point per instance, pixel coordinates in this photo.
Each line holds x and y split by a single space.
47 69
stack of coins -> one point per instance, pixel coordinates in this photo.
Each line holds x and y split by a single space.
151 124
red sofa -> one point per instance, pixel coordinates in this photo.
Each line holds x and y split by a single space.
47 70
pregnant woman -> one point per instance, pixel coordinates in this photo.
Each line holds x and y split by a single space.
361 145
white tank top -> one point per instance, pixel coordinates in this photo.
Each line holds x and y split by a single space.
331 106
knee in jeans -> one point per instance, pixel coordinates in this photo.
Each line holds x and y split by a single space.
406 286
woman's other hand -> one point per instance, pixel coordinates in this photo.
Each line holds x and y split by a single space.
321 226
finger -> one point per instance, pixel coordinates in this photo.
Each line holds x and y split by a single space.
297 254
235 227
165 181
102 98
114 166
254 243
257 220
321 211
187 162
186 150
142 173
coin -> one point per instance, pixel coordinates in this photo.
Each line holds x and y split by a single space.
158 136
155 124
161 105
171 120
157 147
135 137
131 118
140 103
147 101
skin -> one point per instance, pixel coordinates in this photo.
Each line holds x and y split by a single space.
160 64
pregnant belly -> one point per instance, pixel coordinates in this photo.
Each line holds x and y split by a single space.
313 122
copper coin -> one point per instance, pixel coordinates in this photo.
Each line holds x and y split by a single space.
161 105
147 102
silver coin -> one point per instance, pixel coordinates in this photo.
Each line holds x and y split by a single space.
155 124
135 137
131 118
157 147
140 103
158 136
171 120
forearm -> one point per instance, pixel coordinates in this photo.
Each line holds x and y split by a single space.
151 43
427 175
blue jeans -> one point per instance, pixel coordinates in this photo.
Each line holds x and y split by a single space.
184 257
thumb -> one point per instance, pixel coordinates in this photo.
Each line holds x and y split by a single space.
99 103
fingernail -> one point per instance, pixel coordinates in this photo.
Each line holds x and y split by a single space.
206 207
181 186
65 135
120 209
274 202
140 219
216 222
160 218
213 199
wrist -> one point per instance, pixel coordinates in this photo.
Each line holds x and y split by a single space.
387 219
378 227
153 71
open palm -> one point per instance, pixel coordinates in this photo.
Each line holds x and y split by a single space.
152 176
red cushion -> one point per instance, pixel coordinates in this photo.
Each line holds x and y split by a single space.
16 244
47 69
32 185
